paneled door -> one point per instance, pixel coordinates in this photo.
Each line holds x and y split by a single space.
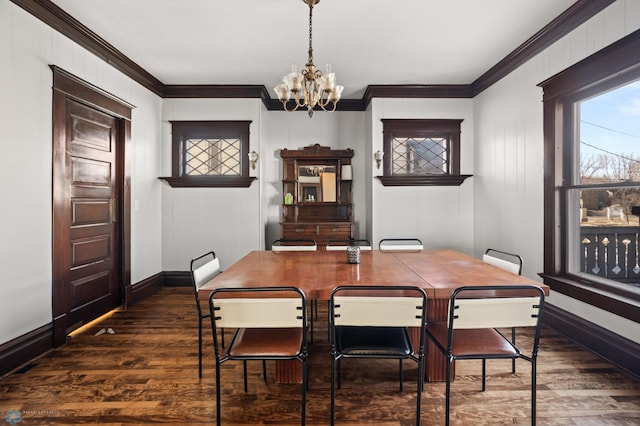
87 262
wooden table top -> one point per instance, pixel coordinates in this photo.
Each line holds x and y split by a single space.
446 270
438 272
375 268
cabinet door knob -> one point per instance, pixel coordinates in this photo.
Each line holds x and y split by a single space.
299 230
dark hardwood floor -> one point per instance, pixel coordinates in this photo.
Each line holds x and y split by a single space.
147 372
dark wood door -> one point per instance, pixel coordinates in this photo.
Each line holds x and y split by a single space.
86 236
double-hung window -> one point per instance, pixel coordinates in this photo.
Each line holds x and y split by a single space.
592 180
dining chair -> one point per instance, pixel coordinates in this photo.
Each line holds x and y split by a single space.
504 260
372 322
294 245
509 262
286 245
475 315
341 245
270 324
400 244
203 269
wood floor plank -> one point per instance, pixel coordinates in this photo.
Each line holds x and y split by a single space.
147 373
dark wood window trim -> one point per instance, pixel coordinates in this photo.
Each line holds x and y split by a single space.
208 129
612 66
422 128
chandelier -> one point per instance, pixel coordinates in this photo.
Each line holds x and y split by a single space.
310 87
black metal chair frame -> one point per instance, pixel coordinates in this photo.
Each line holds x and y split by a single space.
343 244
516 259
485 292
377 341
221 358
196 284
518 262
403 241
295 244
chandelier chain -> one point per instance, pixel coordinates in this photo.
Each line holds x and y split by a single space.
310 30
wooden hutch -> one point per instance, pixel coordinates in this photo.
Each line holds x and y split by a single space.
316 194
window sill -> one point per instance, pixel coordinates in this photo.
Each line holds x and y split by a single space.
619 302
444 180
208 182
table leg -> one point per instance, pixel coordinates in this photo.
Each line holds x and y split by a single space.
436 365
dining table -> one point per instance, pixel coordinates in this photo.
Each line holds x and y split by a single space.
439 272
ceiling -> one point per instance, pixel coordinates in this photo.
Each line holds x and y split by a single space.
367 42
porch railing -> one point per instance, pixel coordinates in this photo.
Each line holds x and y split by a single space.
611 252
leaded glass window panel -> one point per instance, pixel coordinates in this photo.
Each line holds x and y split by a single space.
421 152
210 154
212 157
420 156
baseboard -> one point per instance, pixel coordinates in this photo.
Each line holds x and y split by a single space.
616 349
17 352
176 279
22 350
143 289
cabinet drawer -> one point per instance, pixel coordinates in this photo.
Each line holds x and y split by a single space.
297 231
335 231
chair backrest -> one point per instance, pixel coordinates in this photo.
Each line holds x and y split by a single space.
294 245
341 245
400 244
508 261
259 307
496 307
204 268
378 306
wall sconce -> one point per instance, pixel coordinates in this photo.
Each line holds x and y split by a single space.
378 157
253 158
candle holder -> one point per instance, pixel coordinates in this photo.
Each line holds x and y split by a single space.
353 254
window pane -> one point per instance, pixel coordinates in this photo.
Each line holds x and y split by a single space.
603 220
609 130
212 157
420 156
608 239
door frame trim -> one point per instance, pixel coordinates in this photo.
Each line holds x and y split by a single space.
67 85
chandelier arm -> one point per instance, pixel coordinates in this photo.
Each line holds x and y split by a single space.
323 106
284 105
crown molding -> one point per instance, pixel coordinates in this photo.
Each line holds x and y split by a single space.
58 19
61 21
580 12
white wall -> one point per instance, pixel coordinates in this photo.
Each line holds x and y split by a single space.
295 130
225 220
509 153
441 216
27 47
234 221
